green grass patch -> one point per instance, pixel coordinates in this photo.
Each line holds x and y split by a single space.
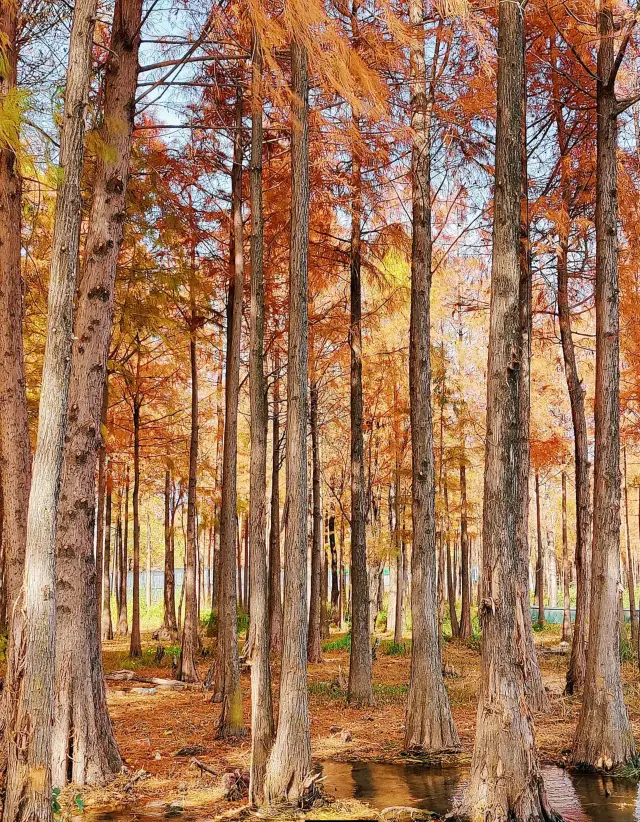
341 643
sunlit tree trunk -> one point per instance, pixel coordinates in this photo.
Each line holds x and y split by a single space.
228 666
505 780
275 595
29 783
604 735
289 764
429 723
261 700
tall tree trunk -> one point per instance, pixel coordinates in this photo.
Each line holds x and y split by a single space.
335 581
577 664
102 482
187 670
540 559
505 780
169 618
261 700
275 596
106 622
148 574
566 567
429 723
231 720
290 760
122 628
135 646
360 669
29 785
604 735
314 637
451 586
630 571
465 613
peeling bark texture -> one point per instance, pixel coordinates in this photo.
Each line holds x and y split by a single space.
577 663
15 458
429 723
261 699
28 791
360 689
604 736
314 636
228 665
289 763
505 782
275 594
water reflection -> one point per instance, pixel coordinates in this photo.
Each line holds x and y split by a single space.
578 797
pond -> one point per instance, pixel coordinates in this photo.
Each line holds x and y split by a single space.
579 797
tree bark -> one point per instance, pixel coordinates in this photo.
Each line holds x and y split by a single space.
429 723
335 581
451 586
135 646
566 567
314 637
122 628
106 621
505 780
29 785
465 613
630 572
289 764
275 595
577 663
102 482
604 734
540 560
231 720
261 700
360 689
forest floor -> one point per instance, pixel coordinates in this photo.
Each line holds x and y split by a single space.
153 727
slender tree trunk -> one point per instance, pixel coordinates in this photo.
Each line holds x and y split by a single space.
465 613
335 580
290 760
314 637
106 622
630 571
122 628
29 781
540 560
117 554
148 577
429 723
231 720
566 567
275 596
187 670
451 588
505 780
169 620
360 668
261 700
577 664
135 647
604 734
102 482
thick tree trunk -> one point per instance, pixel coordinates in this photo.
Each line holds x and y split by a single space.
187 670
169 619
15 459
540 559
577 664
290 760
261 700
228 666
29 785
275 595
122 628
106 621
630 561
566 567
505 780
429 723
135 646
604 736
314 637
465 613
360 669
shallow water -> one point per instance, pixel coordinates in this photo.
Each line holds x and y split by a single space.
578 797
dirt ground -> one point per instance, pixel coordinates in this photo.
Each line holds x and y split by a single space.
151 728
